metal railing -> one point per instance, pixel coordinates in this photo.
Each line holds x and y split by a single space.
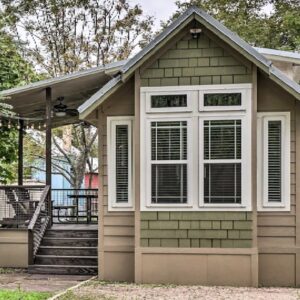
74 206
18 204
39 222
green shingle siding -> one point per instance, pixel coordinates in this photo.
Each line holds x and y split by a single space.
196 229
194 62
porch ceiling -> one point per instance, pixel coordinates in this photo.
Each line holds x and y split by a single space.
30 101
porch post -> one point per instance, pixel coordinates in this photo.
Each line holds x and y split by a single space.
48 136
20 153
48 148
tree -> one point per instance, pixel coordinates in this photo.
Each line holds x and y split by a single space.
14 71
64 36
71 158
279 29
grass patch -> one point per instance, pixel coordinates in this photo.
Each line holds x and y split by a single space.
22 295
11 271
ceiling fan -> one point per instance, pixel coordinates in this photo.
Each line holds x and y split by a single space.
61 110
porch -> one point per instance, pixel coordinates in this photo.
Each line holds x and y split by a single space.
45 229
49 231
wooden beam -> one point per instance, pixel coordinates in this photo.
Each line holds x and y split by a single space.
48 135
20 153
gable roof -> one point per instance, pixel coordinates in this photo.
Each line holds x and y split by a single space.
214 26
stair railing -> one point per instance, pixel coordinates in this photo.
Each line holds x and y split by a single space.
39 223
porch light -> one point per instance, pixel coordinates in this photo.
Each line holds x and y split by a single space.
60 113
195 32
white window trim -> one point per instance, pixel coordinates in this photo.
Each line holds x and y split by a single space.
194 115
245 162
262 161
112 122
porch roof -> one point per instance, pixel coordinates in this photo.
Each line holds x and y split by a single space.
30 101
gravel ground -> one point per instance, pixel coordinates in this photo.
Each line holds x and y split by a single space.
106 291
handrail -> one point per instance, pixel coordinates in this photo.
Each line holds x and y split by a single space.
39 207
22 186
38 224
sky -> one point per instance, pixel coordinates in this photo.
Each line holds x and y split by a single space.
163 9
160 9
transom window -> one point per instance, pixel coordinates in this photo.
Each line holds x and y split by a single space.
161 101
228 99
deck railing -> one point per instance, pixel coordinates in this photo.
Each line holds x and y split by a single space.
39 222
74 206
18 204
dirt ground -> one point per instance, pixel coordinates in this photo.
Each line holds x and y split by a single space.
100 290
20 279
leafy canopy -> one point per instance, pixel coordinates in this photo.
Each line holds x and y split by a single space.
14 71
262 23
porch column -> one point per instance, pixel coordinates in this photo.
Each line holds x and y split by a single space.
20 153
48 136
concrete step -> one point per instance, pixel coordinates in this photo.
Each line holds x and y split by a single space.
63 269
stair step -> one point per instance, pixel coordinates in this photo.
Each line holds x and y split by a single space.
79 242
66 260
62 269
65 251
67 233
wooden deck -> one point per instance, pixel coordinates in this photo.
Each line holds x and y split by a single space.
75 226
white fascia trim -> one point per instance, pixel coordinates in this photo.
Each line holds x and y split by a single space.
111 158
262 157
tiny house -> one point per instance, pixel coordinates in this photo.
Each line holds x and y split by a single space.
199 135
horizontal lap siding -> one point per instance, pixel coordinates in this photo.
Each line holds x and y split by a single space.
278 229
117 228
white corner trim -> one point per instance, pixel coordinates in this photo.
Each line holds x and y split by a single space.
112 122
262 161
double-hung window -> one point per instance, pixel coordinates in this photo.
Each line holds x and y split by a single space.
120 163
169 164
273 172
224 162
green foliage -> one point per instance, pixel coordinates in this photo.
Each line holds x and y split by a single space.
22 295
279 29
14 71
71 35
